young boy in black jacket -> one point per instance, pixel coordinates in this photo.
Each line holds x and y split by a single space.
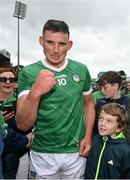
109 156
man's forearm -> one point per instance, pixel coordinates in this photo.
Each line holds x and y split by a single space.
89 118
27 111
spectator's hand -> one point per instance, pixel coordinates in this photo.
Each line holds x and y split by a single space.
7 115
44 82
29 136
85 146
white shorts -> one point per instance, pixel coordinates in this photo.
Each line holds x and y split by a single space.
56 166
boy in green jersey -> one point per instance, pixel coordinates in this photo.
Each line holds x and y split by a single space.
55 96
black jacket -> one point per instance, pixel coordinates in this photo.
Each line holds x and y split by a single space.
114 162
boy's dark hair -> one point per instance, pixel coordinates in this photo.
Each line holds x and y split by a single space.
118 111
56 26
110 77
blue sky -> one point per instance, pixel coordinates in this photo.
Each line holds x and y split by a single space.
100 30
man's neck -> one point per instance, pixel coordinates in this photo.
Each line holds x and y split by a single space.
55 65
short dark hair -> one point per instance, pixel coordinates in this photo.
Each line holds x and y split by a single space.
110 77
56 26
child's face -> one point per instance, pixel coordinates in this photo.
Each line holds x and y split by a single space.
107 125
110 90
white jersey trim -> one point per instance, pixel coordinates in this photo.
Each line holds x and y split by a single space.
54 68
88 92
23 93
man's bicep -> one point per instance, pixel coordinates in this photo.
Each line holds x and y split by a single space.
20 100
88 99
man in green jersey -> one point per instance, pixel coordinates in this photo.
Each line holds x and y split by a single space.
55 97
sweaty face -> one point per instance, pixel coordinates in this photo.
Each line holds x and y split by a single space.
7 87
55 46
107 125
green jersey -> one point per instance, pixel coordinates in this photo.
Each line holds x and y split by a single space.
59 126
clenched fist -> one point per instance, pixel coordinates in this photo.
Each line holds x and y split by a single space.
45 81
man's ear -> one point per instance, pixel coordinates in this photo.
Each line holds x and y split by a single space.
70 44
41 40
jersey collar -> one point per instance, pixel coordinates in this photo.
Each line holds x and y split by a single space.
54 68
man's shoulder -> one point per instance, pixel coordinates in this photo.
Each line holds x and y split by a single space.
76 62
76 65
32 65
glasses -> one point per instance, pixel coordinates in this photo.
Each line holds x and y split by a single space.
10 79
